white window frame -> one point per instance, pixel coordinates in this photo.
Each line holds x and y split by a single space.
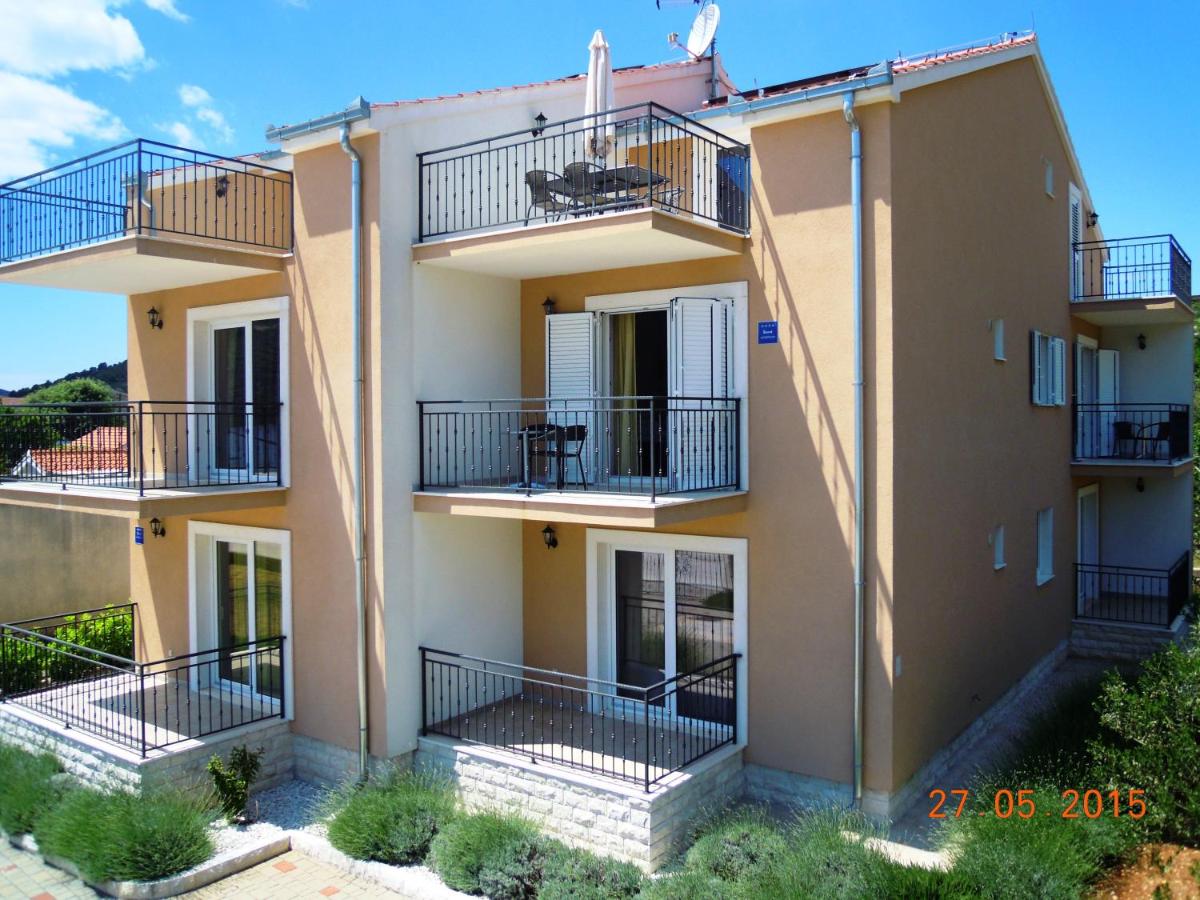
738 292
1047 369
201 322
202 600
996 539
601 547
1045 545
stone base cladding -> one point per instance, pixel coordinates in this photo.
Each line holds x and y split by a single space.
775 786
330 765
1122 642
106 766
606 817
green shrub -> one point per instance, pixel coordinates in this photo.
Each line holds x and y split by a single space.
26 788
232 781
459 850
513 871
732 848
126 837
1043 856
571 873
1054 748
686 885
1152 739
392 820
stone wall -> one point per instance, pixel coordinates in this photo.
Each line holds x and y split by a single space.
106 766
1122 642
603 816
330 765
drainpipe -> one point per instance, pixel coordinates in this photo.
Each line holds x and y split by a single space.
859 512
360 555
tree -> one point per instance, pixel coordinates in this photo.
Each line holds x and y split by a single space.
76 390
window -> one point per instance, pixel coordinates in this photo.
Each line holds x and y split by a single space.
996 539
997 326
1047 370
1049 176
1045 545
240 608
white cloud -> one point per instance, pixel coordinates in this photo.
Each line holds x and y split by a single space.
194 95
51 37
217 122
167 8
181 133
37 118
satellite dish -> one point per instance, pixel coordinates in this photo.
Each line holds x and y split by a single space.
704 29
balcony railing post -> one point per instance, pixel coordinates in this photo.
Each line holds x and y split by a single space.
141 450
737 442
654 452
424 692
646 748
141 677
283 677
137 174
421 443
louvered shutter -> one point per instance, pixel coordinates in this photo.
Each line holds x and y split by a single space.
1076 235
1058 383
699 424
1035 368
571 384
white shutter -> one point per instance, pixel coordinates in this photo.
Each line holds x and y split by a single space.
1058 372
700 431
1075 235
570 356
1036 365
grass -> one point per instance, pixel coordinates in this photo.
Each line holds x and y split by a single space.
126 837
392 820
1055 745
26 787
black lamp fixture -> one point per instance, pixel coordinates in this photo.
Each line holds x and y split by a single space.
1141 485
1093 218
1141 342
539 124
549 537
155 317
157 528
548 306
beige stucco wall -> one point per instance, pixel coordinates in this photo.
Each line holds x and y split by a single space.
56 561
976 237
799 518
318 509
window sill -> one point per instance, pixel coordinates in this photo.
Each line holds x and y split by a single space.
1000 567
1044 579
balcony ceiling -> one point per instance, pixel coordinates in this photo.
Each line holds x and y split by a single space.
141 264
641 237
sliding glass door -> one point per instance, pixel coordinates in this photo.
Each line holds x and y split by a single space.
246 395
249 615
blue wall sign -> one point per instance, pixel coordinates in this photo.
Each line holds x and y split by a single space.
768 332
139 534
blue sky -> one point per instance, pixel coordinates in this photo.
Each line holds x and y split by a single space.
76 75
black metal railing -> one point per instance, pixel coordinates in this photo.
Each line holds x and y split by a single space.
136 445
1134 595
628 158
1131 269
143 706
144 187
627 732
1142 432
624 445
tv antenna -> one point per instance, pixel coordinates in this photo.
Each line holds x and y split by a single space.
702 38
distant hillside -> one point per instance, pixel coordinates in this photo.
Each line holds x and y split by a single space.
112 375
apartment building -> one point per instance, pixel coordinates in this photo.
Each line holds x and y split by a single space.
716 442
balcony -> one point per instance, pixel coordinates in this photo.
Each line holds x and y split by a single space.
633 186
1132 595
1131 439
1130 281
79 670
635 734
629 461
138 455
144 216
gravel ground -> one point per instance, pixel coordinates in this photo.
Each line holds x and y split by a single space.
292 806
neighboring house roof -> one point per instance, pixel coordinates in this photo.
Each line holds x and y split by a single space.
102 451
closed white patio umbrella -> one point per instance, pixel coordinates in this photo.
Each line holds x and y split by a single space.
599 95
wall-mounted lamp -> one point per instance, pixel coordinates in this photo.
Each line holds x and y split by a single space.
157 528
1141 342
1093 218
155 317
222 187
550 538
1141 485
539 124
548 306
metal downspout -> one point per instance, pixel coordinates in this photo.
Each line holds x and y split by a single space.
360 556
859 512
